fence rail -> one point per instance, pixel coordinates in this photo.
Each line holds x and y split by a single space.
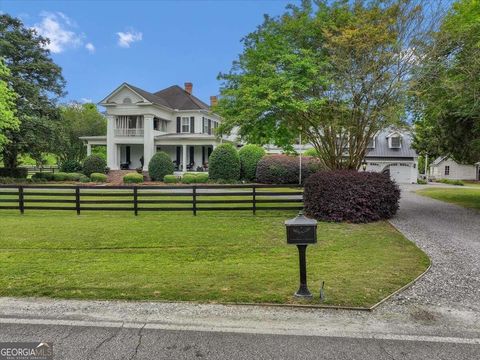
192 198
46 169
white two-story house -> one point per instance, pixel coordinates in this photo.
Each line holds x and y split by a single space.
141 123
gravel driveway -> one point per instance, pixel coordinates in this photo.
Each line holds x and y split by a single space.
450 235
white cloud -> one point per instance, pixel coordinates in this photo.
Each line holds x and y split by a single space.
57 27
126 38
90 47
86 101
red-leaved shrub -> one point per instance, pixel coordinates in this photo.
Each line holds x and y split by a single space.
348 195
284 169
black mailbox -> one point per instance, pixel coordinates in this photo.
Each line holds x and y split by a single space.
301 230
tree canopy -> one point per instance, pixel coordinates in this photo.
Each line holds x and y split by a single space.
37 81
77 120
8 118
334 71
446 87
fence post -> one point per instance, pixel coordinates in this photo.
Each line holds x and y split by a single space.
21 202
254 199
194 204
77 199
135 200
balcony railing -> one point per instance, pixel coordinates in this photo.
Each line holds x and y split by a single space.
128 132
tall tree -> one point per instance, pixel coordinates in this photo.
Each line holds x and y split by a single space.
446 86
335 71
78 120
38 82
8 118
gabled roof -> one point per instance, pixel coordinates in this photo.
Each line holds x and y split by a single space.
178 98
173 97
383 150
439 160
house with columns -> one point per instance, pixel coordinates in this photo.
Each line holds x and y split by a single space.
173 120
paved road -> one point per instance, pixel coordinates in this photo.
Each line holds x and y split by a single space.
438 318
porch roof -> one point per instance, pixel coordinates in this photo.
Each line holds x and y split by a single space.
94 140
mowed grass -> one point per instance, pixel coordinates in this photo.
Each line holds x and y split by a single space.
213 257
469 198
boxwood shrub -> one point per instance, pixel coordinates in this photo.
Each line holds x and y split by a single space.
71 166
250 155
195 178
171 179
18 173
60 176
133 178
284 169
73 176
94 164
224 163
98 177
352 196
84 179
160 165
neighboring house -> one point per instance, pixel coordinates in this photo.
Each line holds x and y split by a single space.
447 168
389 152
140 123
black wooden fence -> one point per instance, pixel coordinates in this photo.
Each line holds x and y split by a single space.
192 198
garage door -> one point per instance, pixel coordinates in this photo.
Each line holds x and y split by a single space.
401 174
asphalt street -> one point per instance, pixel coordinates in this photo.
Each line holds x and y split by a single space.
84 342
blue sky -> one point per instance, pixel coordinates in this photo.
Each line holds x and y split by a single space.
150 44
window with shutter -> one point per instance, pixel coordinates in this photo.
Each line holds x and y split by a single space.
192 124
179 125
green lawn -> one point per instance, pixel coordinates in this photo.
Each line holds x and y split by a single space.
213 257
464 197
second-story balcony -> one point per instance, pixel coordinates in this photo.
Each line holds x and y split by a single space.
129 132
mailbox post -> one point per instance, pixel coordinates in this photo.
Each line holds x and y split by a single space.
302 231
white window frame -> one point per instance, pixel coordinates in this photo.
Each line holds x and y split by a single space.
205 125
183 124
390 142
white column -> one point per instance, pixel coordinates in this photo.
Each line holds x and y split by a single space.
148 140
184 158
111 146
89 149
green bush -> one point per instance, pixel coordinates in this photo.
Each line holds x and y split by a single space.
159 166
73 176
189 179
421 182
311 152
71 166
94 164
98 177
224 163
84 179
133 178
202 178
47 176
249 156
451 182
60 176
7 180
171 179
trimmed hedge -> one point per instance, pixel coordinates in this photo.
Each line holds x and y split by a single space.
133 178
47 176
98 177
249 156
60 176
284 169
160 165
84 179
71 166
190 178
73 176
224 163
352 196
18 173
94 164
171 179
451 182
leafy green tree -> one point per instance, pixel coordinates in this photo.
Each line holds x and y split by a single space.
77 120
335 72
446 87
8 118
38 82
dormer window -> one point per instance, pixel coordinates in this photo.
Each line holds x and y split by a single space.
395 142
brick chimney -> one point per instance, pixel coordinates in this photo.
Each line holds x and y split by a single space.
188 87
213 101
